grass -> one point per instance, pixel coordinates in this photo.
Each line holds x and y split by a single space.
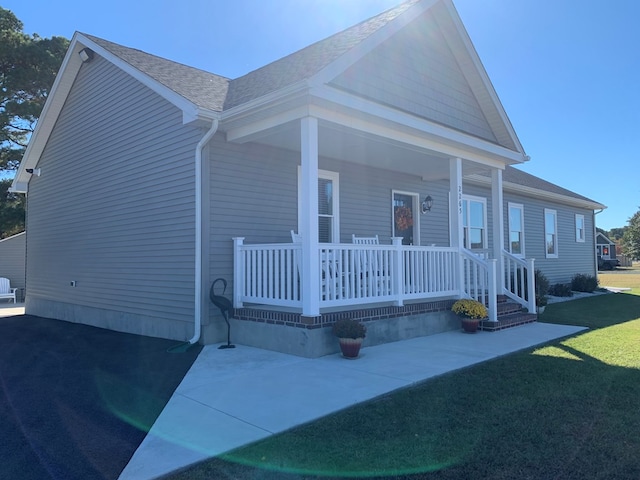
568 410
628 277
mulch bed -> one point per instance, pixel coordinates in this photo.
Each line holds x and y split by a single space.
76 401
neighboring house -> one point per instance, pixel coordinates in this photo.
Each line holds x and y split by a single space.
606 252
148 179
12 262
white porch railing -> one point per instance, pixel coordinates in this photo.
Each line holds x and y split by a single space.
352 274
479 281
269 274
519 280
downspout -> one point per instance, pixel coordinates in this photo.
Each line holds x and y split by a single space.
595 245
197 325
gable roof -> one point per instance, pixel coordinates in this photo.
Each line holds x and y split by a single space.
305 63
605 238
204 95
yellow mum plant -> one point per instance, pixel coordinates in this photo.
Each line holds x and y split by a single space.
470 309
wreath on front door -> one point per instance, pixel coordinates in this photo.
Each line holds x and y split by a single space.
403 218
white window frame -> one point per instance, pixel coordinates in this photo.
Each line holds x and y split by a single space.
415 208
466 199
516 206
335 178
549 211
580 228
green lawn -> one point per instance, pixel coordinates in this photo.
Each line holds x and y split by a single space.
568 410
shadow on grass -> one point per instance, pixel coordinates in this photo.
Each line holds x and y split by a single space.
565 410
594 312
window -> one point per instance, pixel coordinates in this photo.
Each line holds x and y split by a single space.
551 233
516 229
328 206
580 235
474 221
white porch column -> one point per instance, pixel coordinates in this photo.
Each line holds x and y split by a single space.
308 228
455 215
455 202
497 207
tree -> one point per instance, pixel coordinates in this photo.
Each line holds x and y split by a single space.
616 234
631 238
11 210
28 66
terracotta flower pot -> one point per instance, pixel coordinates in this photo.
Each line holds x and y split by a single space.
470 325
350 347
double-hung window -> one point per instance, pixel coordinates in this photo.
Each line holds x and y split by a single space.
474 222
328 206
580 231
516 229
551 233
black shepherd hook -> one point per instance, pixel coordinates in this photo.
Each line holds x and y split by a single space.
225 306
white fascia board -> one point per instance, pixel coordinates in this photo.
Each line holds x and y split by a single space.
477 62
538 193
455 142
273 98
251 131
53 106
343 62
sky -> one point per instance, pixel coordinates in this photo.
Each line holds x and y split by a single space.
567 72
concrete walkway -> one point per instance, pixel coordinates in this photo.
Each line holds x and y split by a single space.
234 397
11 309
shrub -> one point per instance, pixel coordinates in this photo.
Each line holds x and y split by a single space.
542 288
348 328
584 283
561 290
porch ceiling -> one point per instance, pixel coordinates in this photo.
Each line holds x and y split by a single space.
351 145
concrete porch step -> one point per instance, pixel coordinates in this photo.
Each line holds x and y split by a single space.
507 321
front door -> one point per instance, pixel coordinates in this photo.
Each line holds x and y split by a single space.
405 221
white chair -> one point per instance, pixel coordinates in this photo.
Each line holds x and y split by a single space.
365 240
371 271
6 291
329 271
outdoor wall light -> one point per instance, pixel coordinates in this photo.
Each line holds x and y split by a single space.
33 171
427 204
86 55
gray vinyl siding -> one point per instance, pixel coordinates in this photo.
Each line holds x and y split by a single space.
114 207
254 195
573 257
424 80
12 260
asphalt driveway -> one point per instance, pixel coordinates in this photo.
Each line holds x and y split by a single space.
76 401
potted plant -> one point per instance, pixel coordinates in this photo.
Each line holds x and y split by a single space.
350 334
471 312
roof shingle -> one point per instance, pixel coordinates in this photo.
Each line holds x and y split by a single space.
202 88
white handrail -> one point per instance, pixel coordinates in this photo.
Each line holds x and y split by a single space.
479 280
519 280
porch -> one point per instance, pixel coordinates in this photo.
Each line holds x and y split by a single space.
385 281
